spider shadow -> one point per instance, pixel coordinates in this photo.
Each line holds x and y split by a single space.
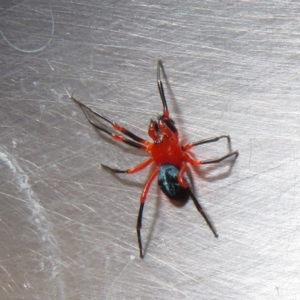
204 173
203 170
124 179
182 202
148 238
129 182
201 174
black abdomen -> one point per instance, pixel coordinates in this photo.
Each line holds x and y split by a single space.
168 183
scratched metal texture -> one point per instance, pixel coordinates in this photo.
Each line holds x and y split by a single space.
67 226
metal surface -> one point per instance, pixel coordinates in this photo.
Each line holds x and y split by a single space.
68 226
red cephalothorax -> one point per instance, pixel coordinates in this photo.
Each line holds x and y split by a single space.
170 157
165 147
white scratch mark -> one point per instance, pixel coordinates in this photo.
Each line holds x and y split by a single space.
174 268
69 91
14 197
15 143
27 286
3 288
116 279
38 212
5 159
76 207
62 216
50 64
92 58
82 204
6 225
10 277
80 185
31 50
22 181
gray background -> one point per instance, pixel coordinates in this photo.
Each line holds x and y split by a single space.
68 227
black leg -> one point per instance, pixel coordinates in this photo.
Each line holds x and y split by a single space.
206 141
138 229
160 85
140 216
135 169
214 161
199 208
113 170
211 140
115 125
137 141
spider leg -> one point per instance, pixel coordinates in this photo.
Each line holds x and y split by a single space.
205 141
135 169
199 208
116 137
117 127
214 161
184 184
188 158
180 177
161 89
140 216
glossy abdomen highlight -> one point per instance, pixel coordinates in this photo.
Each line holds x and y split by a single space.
168 183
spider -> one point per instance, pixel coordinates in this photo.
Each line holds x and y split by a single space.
170 156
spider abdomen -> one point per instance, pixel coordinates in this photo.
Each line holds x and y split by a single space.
168 183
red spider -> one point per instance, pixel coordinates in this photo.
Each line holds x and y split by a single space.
166 152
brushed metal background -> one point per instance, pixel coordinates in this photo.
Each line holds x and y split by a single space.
68 226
